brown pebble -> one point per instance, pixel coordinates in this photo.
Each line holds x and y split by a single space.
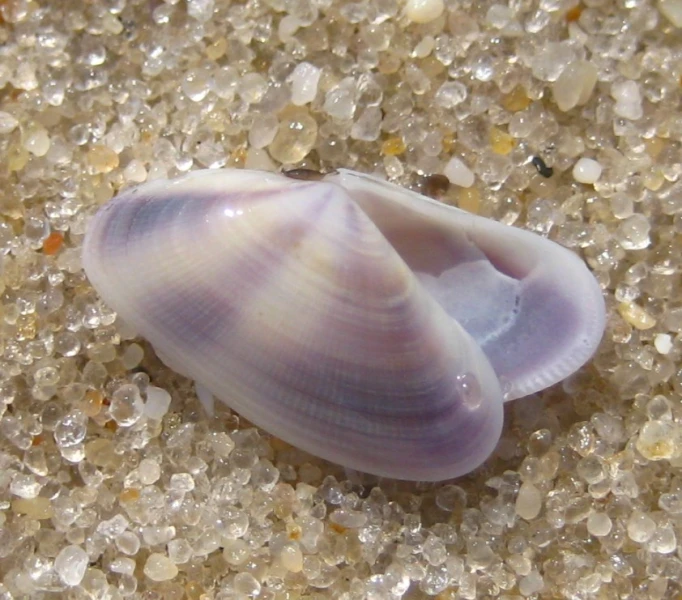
436 185
53 243
304 174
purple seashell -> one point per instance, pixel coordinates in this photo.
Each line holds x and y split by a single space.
357 320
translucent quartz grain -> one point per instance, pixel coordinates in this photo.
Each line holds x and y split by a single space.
516 100
599 524
263 131
658 440
393 146
663 343
528 501
587 170
627 293
450 498
159 567
633 232
180 551
201 10
70 565
288 26
664 540
340 101
132 356
458 173
640 527
126 406
252 88
424 11
102 159
501 142
125 566
34 508
196 84
135 172
235 552
221 444
499 16
622 206
8 122
304 80
157 403
71 429
37 141
673 319
531 584
92 402
155 534
100 452
113 527
575 85
636 316
259 160
292 557
247 584
628 99
368 125
182 482
424 47
296 135
128 543
450 94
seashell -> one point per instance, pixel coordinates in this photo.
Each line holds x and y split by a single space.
355 319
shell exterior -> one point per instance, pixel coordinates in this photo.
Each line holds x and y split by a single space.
352 318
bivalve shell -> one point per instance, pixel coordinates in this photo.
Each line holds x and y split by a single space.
354 319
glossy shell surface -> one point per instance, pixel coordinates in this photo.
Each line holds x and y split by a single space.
355 319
